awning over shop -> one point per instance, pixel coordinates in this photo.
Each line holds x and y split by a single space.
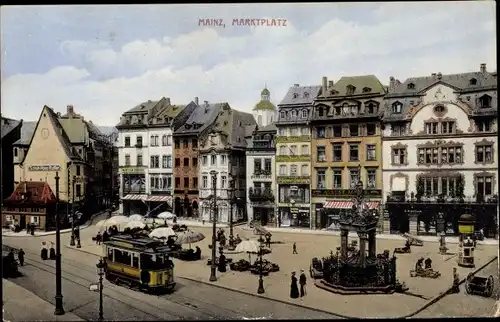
135 197
167 199
342 204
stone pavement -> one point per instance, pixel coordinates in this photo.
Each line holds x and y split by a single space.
20 304
308 246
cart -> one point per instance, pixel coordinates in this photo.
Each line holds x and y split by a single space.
414 241
316 268
479 285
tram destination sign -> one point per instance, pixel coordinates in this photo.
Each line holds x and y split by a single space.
45 167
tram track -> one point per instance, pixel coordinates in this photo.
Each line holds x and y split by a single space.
187 302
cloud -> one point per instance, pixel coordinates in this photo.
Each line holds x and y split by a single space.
391 40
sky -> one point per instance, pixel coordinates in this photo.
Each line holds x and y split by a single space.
106 59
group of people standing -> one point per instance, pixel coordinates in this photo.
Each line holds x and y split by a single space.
294 288
48 253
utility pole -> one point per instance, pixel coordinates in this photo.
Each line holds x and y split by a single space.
72 241
59 298
213 267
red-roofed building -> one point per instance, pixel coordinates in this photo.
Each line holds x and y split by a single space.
31 202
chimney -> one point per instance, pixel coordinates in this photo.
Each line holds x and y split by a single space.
330 83
483 68
69 109
196 101
392 84
206 104
325 82
439 75
167 99
296 85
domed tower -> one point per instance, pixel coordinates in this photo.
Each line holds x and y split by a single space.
264 112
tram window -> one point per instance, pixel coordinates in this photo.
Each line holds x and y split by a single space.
110 254
123 257
135 260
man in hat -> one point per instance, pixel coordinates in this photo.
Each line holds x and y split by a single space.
302 282
294 248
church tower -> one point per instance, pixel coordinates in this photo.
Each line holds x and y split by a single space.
264 112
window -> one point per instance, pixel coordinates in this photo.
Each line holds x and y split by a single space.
484 185
451 155
205 182
399 156
155 161
321 179
152 140
350 90
139 160
15 152
483 153
223 182
337 152
304 150
185 143
304 170
447 127
177 144
337 131
177 162
186 182
371 152
485 101
34 219
139 140
367 89
169 161
483 126
283 150
127 141
294 114
194 143
321 151
398 129
164 162
294 131
353 130
371 129
320 132
293 150
268 165
431 128
305 131
293 170
78 170
282 170
195 183
371 178
282 114
164 140
439 108
473 81
204 160
353 177
397 107
186 162
257 165
337 179
213 160
370 109
321 111
78 188
177 182
304 114
411 86
169 182
127 160
281 131
353 152
195 162
223 159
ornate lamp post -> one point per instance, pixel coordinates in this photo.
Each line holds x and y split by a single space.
59 298
72 241
260 290
100 266
213 267
231 245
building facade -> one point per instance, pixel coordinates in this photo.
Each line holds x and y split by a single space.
261 176
440 140
346 146
11 132
223 150
293 156
145 157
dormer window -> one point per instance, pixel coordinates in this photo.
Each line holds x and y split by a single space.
367 90
282 114
485 101
225 123
350 89
306 95
139 120
295 95
472 81
187 126
397 107
411 86
370 108
294 113
333 92
304 113
321 111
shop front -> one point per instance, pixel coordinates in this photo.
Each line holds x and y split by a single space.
299 217
329 213
263 214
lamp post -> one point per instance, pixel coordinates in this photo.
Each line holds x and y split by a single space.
100 266
231 245
213 267
260 290
72 241
59 298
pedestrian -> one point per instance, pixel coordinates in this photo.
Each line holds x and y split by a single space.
294 248
44 251
294 289
52 252
20 256
302 282
98 238
268 240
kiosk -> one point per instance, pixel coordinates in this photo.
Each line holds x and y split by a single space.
466 244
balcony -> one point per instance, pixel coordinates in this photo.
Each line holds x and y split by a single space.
263 144
261 173
133 190
259 194
139 145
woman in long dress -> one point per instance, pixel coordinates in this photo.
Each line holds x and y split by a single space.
294 289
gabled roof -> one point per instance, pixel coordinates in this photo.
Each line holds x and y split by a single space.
202 116
8 125
359 83
27 131
143 107
300 95
33 192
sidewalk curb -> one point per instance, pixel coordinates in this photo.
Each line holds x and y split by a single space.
448 291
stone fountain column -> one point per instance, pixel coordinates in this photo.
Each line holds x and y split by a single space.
362 248
344 233
372 245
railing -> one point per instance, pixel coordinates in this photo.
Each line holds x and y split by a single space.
129 190
256 194
259 172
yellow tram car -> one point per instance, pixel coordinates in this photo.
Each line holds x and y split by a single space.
142 263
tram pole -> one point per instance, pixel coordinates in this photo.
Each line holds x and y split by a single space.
213 267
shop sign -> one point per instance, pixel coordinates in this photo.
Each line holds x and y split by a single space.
292 158
294 180
45 167
132 170
285 139
345 192
294 209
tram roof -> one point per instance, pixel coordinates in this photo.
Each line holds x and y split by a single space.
141 244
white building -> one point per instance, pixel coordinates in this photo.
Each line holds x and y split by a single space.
440 137
145 157
223 150
264 111
260 174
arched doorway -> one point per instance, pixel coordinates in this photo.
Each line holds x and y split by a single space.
178 207
195 208
188 211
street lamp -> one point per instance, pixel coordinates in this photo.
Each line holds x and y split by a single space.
59 298
100 266
213 267
231 245
261 290
72 241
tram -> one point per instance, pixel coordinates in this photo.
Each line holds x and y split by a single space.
142 263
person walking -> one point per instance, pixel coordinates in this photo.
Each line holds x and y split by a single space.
20 256
302 282
294 290
294 248
98 238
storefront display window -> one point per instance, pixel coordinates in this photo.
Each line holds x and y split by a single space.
295 217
